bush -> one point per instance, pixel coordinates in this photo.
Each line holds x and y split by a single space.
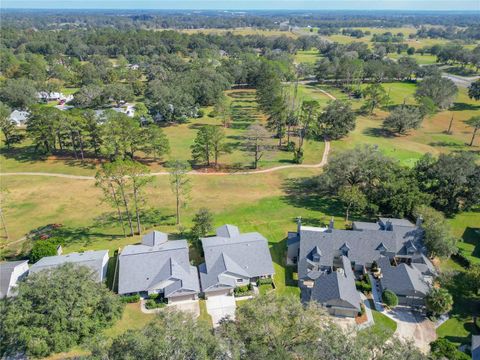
265 281
363 286
154 304
243 290
128 299
389 298
444 349
42 248
298 157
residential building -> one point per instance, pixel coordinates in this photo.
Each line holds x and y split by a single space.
406 281
97 261
233 259
10 273
320 252
19 117
158 266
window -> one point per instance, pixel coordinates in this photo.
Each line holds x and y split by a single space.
239 280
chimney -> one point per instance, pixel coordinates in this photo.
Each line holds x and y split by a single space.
388 225
299 224
331 223
419 220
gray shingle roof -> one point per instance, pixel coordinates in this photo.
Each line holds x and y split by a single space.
91 259
402 279
364 246
475 347
6 271
228 231
154 238
395 222
337 287
165 266
244 255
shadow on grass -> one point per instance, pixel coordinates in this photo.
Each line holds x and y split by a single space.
304 193
446 144
464 106
460 71
378 132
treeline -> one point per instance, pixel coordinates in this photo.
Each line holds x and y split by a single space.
167 19
471 32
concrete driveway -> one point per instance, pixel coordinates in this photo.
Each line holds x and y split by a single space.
413 326
221 306
189 306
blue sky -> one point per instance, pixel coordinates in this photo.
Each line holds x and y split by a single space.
473 5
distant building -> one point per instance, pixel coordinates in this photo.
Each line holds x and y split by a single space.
233 259
10 273
97 261
158 266
19 117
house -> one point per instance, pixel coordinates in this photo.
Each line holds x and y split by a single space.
406 281
19 117
233 259
475 347
10 273
97 261
319 252
158 266
334 289
54 96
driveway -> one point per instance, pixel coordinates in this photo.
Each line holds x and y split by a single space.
413 326
189 306
221 306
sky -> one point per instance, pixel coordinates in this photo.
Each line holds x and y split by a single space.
472 5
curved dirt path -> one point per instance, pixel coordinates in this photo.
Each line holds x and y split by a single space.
321 164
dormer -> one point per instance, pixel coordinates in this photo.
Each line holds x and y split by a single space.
410 247
344 249
382 248
316 254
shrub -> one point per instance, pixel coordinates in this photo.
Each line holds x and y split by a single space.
153 296
127 299
298 157
42 248
154 304
444 349
243 290
363 286
389 298
265 281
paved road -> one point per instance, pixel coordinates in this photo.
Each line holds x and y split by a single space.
461 80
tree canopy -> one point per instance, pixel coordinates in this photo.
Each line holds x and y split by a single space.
56 310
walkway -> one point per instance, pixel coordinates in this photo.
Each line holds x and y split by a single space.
368 312
321 164
377 296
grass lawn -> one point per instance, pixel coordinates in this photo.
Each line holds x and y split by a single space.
383 324
458 330
421 59
22 158
306 56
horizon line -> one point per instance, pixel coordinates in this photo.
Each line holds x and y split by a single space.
238 10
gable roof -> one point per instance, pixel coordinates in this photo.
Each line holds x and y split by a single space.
154 238
228 231
164 266
363 246
19 117
6 270
402 279
244 255
91 259
337 287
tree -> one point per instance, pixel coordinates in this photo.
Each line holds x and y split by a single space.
217 136
202 223
42 248
474 90
18 93
156 142
473 122
7 126
389 298
202 147
223 109
336 121
308 114
44 128
439 301
444 349
89 96
180 184
437 235
453 180
121 136
137 173
375 96
441 90
170 335
402 119
256 143
353 199
34 322
119 93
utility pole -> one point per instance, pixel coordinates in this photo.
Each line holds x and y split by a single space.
449 131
